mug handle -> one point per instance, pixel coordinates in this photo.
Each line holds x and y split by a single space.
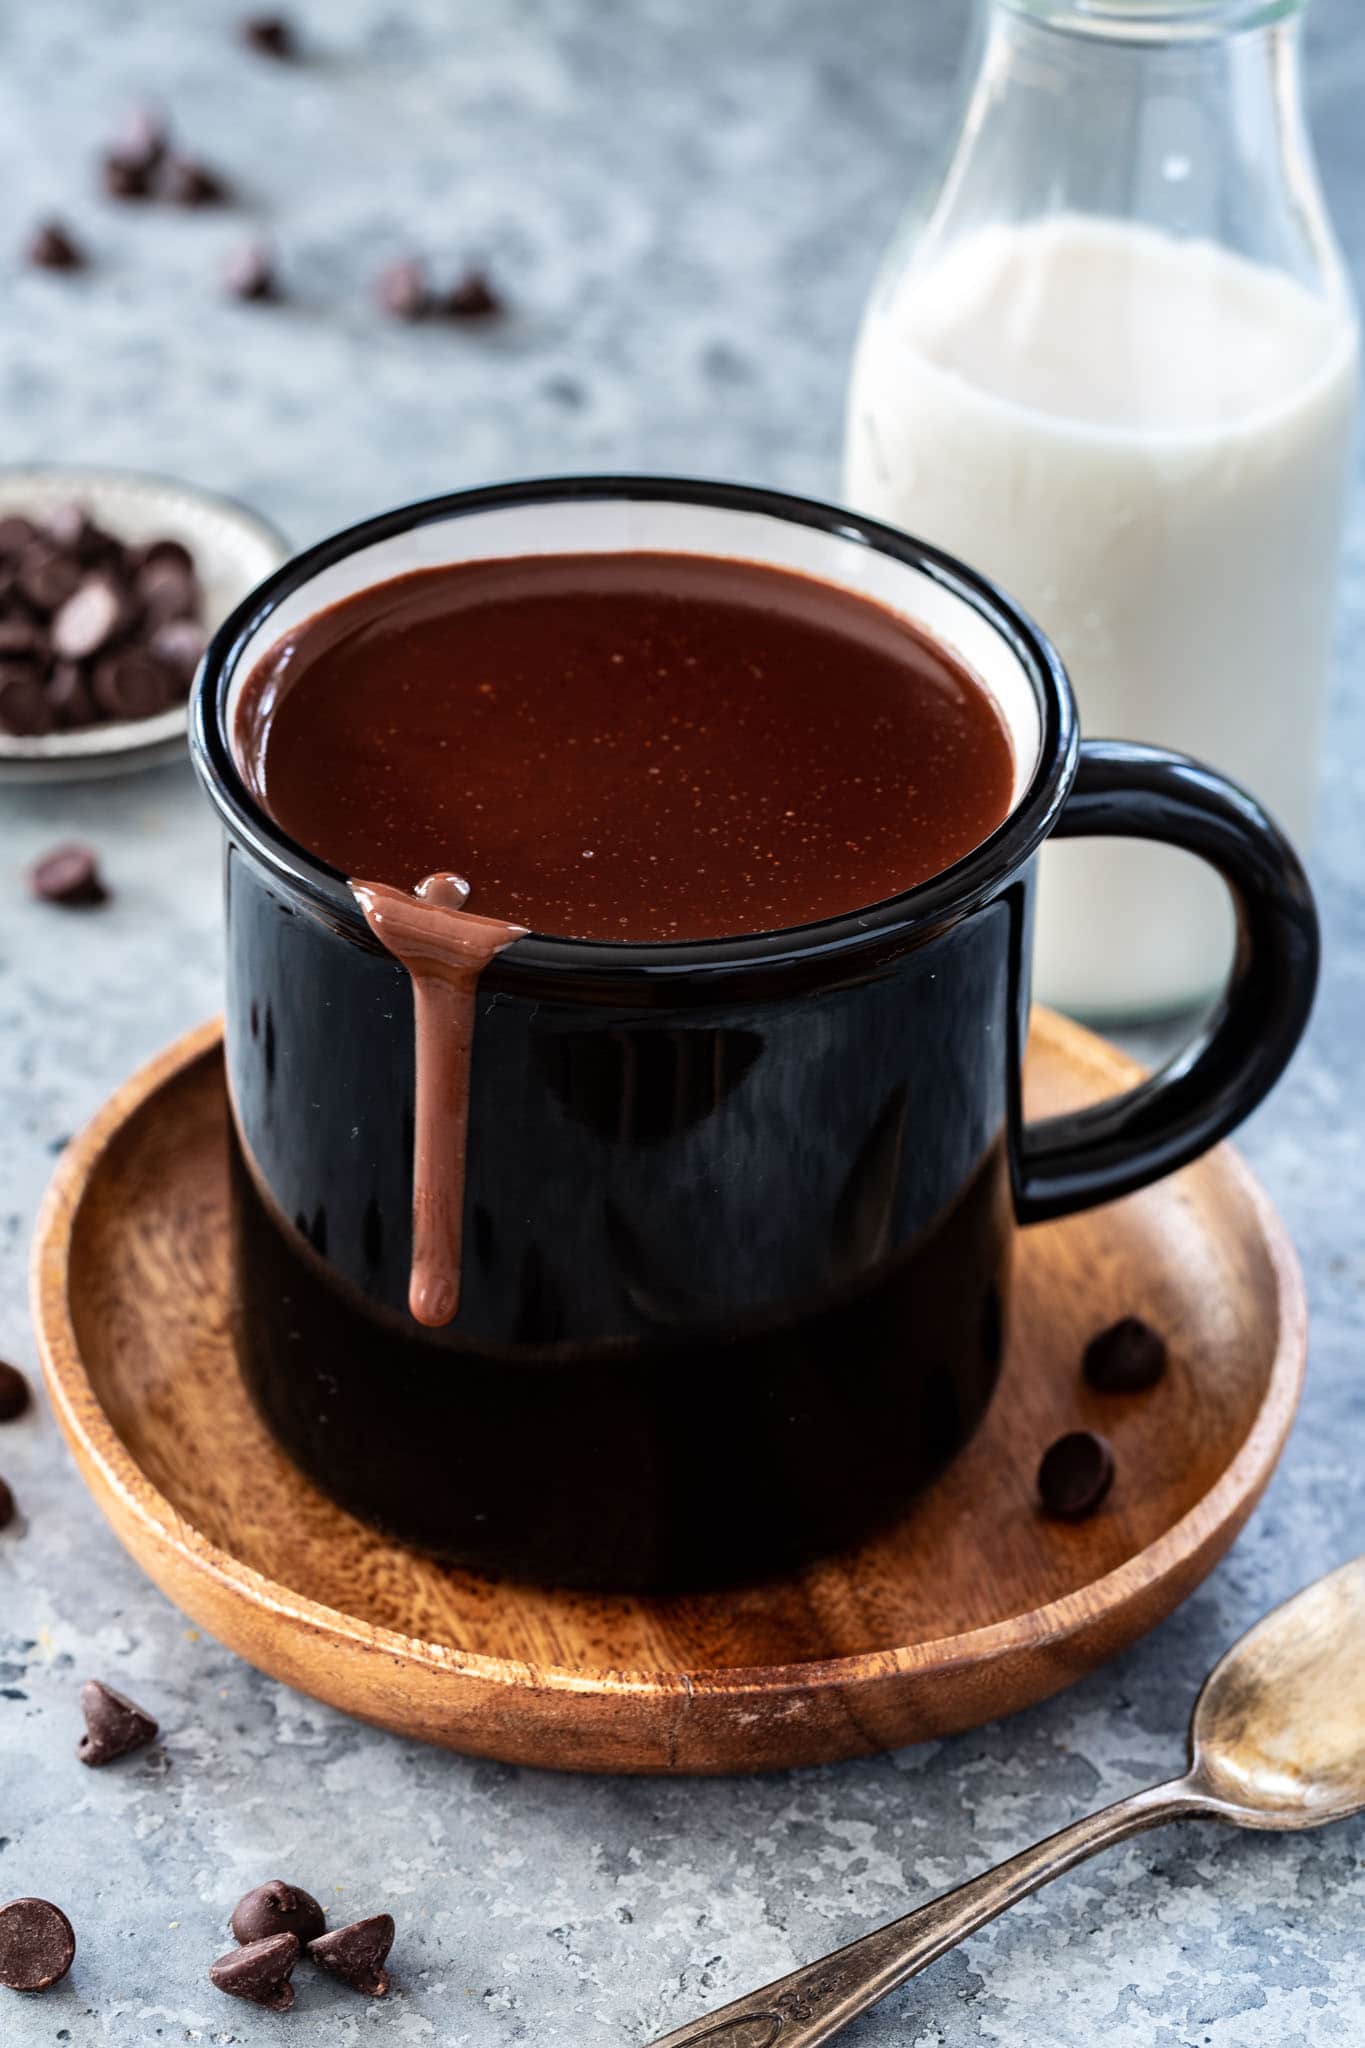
1071 1162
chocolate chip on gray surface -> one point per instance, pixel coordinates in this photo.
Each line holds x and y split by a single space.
181 181
69 874
1076 1474
123 177
146 137
271 35
37 1946
260 1972
357 1953
251 274
51 247
114 1726
1127 1358
473 297
6 1505
277 1908
128 166
14 1393
403 289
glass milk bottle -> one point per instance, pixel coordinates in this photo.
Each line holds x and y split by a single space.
1113 364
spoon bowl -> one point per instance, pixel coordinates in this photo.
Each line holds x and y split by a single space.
1277 1740
1278 1734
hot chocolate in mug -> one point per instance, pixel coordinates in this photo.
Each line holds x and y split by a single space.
721 1225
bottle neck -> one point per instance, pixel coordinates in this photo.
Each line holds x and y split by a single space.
1155 21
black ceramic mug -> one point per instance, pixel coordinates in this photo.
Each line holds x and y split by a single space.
738 1213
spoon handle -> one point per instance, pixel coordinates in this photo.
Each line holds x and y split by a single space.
817 2002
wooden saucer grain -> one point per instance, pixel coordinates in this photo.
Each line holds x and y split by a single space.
975 1605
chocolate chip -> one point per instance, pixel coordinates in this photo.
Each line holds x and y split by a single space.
132 685
91 617
123 177
15 534
6 1505
403 291
1127 1358
14 1394
162 553
145 139
70 699
1076 1474
179 644
356 1953
250 273
114 1726
22 640
25 712
50 247
69 875
277 1908
47 575
168 590
182 182
472 298
271 35
260 1972
37 1947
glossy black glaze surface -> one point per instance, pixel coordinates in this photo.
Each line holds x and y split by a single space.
736 1229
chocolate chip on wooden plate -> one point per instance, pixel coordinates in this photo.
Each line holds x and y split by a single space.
6 1505
357 1953
69 874
50 247
277 1908
1076 1474
1127 1358
14 1393
260 1972
114 1725
37 1946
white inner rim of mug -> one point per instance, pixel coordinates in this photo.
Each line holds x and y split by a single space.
616 526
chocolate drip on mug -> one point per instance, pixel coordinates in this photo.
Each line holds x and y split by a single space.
444 949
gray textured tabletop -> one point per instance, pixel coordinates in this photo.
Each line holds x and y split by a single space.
686 203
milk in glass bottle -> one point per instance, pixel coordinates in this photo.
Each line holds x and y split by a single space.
1113 364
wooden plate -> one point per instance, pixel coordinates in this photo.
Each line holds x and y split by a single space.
973 1606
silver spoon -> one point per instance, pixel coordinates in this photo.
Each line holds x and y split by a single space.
1277 1740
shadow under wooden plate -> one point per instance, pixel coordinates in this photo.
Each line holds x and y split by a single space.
973 1606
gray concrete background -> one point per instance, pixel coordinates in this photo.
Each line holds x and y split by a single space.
686 203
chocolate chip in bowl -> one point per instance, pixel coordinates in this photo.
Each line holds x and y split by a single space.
110 584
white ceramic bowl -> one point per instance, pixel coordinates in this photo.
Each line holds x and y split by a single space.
233 549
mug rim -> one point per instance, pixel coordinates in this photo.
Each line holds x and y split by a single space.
929 906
